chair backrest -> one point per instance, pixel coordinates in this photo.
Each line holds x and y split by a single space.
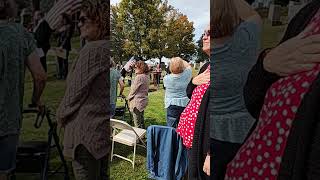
115 123
118 124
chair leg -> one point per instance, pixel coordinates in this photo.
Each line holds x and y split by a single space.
134 154
112 147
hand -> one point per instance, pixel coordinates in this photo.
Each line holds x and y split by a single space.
294 56
202 78
206 165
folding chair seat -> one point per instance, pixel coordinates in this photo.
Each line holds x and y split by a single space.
125 134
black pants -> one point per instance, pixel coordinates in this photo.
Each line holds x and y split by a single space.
63 67
221 154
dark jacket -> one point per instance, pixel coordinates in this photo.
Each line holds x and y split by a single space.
64 38
42 36
301 158
200 144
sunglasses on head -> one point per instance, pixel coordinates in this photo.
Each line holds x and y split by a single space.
83 19
206 33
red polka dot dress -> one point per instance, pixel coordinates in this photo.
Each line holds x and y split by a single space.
189 116
261 155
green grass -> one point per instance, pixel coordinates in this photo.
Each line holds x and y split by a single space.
154 114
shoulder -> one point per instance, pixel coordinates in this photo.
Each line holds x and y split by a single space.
167 78
98 49
188 71
248 29
16 28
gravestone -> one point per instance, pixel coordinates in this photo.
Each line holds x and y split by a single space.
293 9
275 14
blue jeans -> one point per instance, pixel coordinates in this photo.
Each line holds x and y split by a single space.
112 110
8 152
173 115
166 156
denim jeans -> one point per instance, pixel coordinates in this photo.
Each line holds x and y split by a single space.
8 152
173 115
112 110
166 156
221 154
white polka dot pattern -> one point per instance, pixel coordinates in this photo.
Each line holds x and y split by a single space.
189 115
262 156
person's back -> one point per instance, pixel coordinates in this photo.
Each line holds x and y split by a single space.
114 80
16 45
231 63
176 86
17 50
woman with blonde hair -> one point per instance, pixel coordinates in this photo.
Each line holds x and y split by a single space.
176 83
235 39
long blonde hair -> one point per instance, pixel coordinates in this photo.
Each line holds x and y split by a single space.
224 18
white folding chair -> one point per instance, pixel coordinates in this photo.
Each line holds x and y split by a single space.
125 134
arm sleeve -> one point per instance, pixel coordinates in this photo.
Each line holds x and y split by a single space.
135 87
191 86
255 89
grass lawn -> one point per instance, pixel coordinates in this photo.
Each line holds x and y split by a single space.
154 114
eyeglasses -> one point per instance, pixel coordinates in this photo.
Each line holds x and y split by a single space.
83 19
206 33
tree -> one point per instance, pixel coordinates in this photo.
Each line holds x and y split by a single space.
179 41
151 29
117 36
201 56
141 21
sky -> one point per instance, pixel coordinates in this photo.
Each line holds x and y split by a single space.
197 11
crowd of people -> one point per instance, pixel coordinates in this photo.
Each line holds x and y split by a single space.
249 114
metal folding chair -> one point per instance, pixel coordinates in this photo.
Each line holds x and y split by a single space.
34 156
125 134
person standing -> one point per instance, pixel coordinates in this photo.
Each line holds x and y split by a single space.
64 43
42 33
176 83
84 110
236 40
115 79
18 50
138 96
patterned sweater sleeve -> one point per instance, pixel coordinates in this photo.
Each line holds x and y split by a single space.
91 63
